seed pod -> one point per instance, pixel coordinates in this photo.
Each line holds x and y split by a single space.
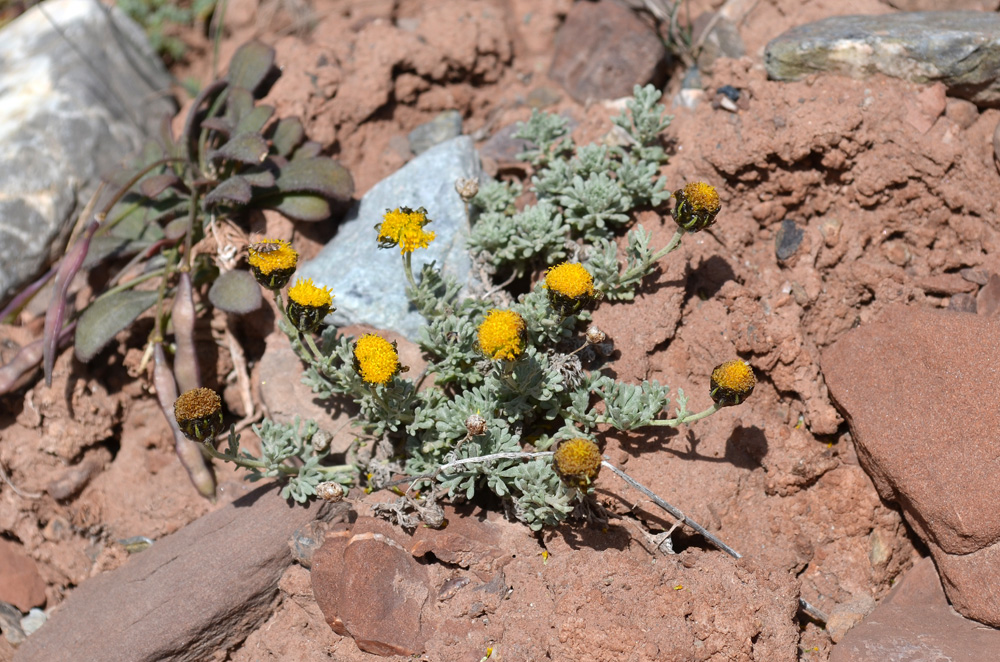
330 491
595 336
467 189
475 425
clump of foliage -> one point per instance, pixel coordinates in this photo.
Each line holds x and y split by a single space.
512 383
232 156
159 18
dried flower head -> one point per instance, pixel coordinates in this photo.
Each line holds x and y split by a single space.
697 206
475 425
595 336
732 383
404 227
199 414
467 188
570 287
375 359
577 461
308 304
272 262
330 491
502 335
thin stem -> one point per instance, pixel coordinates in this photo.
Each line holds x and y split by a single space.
674 242
670 509
689 418
402 416
309 342
285 469
135 281
408 268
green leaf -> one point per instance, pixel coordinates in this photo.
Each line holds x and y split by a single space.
235 292
317 175
255 120
288 133
239 104
251 64
300 206
152 187
260 176
250 148
235 189
105 317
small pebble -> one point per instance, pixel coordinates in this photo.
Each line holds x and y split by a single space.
788 239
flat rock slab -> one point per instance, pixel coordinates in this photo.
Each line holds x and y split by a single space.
76 98
914 622
918 388
958 48
368 282
191 594
21 584
603 50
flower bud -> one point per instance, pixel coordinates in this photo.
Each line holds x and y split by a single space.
199 414
467 188
570 287
697 206
308 305
272 262
475 425
595 336
577 461
732 383
330 491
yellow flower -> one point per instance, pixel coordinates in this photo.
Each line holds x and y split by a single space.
308 304
697 206
570 286
375 359
198 413
577 461
732 383
272 262
404 227
502 335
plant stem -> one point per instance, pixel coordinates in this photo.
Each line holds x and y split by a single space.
408 268
688 418
670 509
309 342
284 469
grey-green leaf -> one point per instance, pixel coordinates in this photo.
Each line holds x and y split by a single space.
248 148
235 189
318 175
288 133
255 120
300 206
251 64
235 292
105 317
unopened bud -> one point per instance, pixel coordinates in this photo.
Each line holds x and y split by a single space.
330 491
595 335
467 188
476 425
321 441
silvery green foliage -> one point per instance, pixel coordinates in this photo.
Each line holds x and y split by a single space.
280 443
615 283
543 499
630 406
584 193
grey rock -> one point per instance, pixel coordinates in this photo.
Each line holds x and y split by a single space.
959 48
190 595
723 41
74 101
787 239
368 282
444 127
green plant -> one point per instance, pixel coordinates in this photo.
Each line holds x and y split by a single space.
232 156
159 18
510 383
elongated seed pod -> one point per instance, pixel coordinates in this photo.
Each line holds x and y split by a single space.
187 451
12 374
56 313
186 369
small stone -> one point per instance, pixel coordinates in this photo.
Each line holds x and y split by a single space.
603 50
945 284
958 48
988 299
444 127
22 586
961 112
465 542
914 622
996 146
369 587
542 97
787 239
978 276
35 619
962 303
723 41
845 616
830 229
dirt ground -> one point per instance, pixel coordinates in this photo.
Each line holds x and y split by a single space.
889 183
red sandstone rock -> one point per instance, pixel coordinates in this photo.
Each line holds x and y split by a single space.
918 388
20 583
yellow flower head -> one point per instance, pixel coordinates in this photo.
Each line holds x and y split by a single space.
570 286
375 359
732 383
404 227
577 461
502 335
272 262
198 413
697 206
308 304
